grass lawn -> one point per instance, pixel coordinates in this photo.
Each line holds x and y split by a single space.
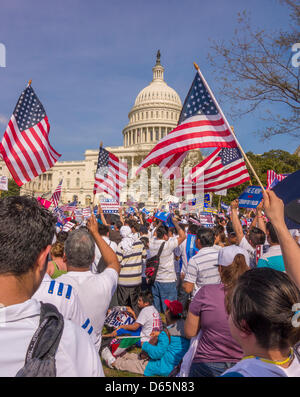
123 374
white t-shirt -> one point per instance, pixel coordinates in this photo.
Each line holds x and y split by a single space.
98 255
76 355
65 298
251 251
252 367
95 292
150 320
166 271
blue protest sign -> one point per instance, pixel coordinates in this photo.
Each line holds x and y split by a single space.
164 217
251 197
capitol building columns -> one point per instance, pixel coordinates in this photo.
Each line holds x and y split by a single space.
154 114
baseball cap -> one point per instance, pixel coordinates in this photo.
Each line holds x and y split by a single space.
227 255
174 306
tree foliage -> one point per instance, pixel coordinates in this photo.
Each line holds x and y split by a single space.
13 189
255 72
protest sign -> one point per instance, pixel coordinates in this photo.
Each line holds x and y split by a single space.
3 183
110 206
206 219
251 197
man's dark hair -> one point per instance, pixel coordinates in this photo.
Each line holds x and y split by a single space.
144 229
262 303
272 233
119 224
147 297
161 231
193 228
206 236
80 248
133 224
103 229
62 236
26 228
257 236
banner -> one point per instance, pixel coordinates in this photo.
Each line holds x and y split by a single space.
110 206
221 192
251 197
45 203
206 219
3 183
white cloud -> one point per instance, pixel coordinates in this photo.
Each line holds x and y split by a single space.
3 120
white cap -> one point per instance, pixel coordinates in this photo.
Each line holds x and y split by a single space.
227 255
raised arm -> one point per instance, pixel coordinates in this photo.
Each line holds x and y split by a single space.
258 221
236 224
102 217
107 253
274 208
121 215
181 234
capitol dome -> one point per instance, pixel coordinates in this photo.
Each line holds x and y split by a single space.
155 112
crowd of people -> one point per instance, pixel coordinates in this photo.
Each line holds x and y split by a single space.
221 301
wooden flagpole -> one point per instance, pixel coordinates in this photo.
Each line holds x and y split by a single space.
229 127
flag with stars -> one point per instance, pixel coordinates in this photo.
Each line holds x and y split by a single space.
223 169
200 125
111 174
25 146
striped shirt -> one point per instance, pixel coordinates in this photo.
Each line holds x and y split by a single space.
202 269
131 264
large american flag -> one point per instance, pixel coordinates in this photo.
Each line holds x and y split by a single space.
200 125
223 169
56 195
25 147
111 174
273 178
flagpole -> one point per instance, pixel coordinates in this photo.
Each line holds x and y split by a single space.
229 127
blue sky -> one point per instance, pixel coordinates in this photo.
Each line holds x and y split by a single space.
88 60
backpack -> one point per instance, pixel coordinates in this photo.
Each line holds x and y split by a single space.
152 266
40 356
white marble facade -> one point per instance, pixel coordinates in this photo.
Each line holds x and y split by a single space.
154 114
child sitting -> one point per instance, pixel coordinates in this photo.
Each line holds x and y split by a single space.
165 355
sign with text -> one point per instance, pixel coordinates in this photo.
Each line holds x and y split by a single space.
206 219
251 197
3 183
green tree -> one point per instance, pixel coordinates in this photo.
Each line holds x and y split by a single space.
13 189
256 71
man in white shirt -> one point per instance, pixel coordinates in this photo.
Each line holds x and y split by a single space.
94 290
164 286
26 233
256 235
66 299
202 267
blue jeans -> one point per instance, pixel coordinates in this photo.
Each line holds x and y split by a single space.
162 291
202 370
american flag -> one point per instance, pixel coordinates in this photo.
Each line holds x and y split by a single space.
111 174
25 146
56 195
86 212
273 178
200 125
223 169
70 207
